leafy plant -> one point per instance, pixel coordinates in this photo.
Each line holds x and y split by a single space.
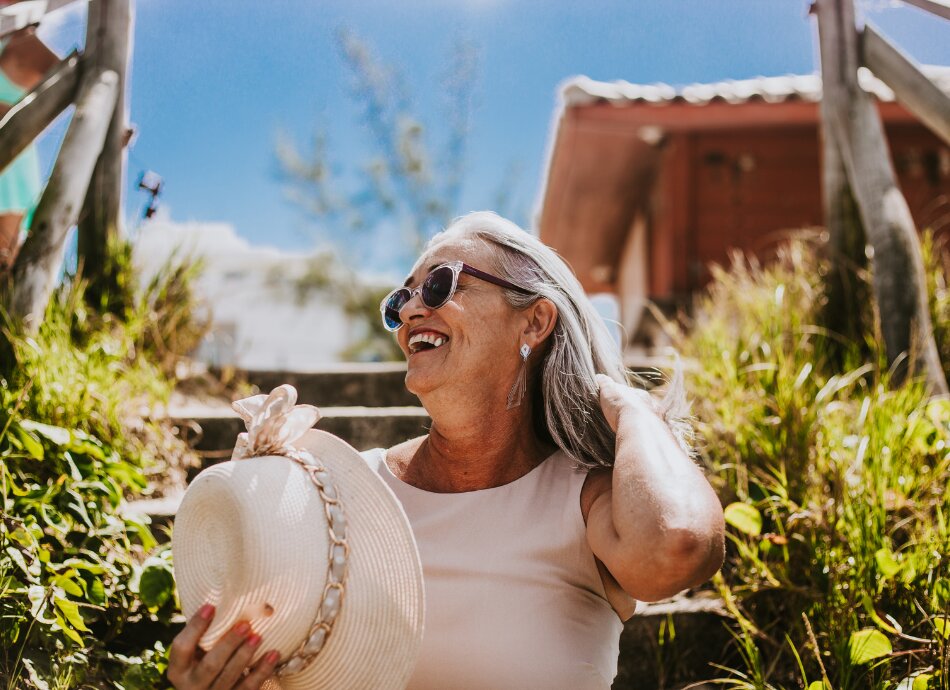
835 482
85 588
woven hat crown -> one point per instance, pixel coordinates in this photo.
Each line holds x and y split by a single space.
299 536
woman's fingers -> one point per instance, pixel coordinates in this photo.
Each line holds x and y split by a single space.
240 660
616 397
213 663
262 670
184 647
611 399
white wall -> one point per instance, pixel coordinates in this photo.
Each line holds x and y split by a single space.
258 323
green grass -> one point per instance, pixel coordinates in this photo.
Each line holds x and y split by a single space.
839 480
85 591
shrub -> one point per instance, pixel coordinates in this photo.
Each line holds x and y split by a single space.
836 482
85 590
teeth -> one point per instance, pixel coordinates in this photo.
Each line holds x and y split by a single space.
430 338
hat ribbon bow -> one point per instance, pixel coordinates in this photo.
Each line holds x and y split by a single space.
273 423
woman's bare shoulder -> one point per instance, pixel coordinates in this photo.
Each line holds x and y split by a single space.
399 456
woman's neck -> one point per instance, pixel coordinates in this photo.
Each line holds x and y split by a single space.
467 452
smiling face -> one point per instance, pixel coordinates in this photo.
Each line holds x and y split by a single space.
469 346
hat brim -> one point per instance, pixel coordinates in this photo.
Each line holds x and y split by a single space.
376 638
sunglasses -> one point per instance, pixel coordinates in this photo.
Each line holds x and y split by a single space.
436 289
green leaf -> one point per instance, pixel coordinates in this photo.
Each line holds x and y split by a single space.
56 434
818 685
30 444
65 583
921 681
68 631
17 558
941 592
744 518
22 537
156 583
872 612
942 626
70 611
887 565
97 592
867 645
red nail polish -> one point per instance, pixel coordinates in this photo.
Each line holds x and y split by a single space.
253 640
206 612
242 628
272 656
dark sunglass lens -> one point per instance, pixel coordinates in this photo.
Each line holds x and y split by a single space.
396 302
437 287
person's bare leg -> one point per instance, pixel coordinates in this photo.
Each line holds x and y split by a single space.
9 239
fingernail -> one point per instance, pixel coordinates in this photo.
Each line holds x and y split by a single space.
242 628
272 656
253 640
206 612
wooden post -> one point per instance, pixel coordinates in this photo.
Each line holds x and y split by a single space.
897 265
846 239
941 8
33 113
912 88
39 262
108 40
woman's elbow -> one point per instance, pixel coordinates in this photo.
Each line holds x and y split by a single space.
688 558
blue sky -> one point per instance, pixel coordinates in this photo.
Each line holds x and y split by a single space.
213 81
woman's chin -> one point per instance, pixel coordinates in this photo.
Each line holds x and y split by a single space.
421 380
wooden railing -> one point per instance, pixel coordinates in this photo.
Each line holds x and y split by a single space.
863 203
86 183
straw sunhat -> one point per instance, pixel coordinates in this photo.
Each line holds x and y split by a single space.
300 537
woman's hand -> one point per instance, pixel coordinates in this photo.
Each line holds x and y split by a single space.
617 398
222 668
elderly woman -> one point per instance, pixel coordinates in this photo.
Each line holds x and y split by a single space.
548 496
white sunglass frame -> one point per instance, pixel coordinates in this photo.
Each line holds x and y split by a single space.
457 268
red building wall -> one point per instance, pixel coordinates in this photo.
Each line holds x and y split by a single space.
749 189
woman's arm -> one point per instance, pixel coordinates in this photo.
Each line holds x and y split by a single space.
655 522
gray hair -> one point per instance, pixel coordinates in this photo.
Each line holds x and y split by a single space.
567 408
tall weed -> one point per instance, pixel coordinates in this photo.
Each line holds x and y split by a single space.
836 483
85 589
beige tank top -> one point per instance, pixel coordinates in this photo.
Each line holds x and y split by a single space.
513 595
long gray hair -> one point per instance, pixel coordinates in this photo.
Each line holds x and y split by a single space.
567 401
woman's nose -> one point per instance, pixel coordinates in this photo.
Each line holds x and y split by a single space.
414 308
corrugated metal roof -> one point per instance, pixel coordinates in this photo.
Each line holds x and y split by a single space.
582 90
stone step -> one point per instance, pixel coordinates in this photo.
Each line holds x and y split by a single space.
375 384
213 431
380 384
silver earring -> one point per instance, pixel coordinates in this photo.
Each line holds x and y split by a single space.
518 389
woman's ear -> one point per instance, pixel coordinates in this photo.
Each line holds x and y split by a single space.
542 317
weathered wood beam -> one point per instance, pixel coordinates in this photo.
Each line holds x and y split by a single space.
911 87
899 283
39 262
939 7
846 240
37 109
108 43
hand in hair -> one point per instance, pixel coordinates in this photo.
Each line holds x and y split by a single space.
617 399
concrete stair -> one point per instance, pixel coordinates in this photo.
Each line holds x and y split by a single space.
648 656
344 385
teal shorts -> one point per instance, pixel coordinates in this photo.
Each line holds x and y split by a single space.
20 185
